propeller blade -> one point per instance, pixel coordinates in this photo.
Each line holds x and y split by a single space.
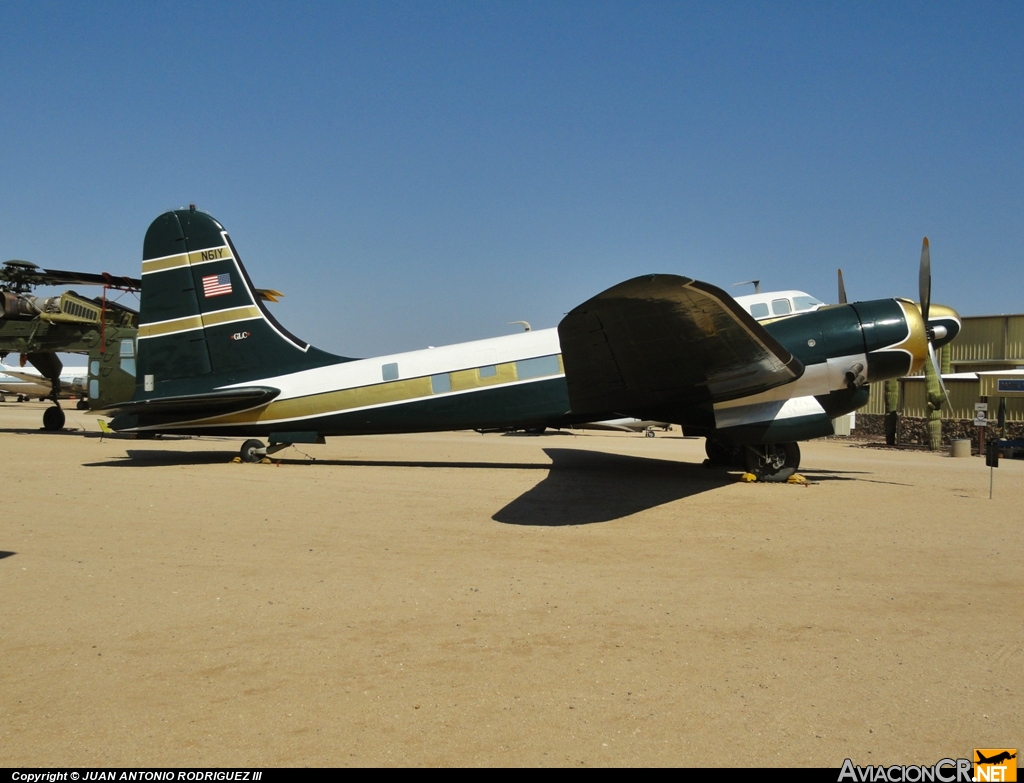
935 366
842 289
924 280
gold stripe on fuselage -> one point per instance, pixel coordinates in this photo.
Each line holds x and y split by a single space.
375 395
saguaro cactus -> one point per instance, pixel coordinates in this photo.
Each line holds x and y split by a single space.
935 400
892 401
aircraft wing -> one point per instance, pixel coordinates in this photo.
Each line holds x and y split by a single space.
659 342
30 377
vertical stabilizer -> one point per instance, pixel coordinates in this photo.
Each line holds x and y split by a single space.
201 322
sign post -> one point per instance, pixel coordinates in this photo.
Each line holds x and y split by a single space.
981 421
992 460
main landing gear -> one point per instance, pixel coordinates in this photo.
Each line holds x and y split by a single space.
53 419
722 454
772 462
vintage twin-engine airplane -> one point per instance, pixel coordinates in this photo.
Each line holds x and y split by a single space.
212 360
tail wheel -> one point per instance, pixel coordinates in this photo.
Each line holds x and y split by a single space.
253 451
53 419
774 461
83 404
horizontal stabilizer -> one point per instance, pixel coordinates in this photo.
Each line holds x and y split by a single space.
213 403
659 343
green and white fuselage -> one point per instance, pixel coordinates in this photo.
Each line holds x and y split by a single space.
212 360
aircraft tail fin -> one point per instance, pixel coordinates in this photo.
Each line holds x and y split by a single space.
202 323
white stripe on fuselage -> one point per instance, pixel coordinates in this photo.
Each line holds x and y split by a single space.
412 364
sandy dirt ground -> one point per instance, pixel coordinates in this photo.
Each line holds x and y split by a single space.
465 599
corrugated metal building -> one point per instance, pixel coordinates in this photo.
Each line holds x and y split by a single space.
986 343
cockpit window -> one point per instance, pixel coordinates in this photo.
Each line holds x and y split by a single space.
759 310
781 307
801 303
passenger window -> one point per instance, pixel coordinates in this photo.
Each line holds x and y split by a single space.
759 310
781 307
390 371
489 371
439 384
537 368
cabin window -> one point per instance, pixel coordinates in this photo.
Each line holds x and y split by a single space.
537 368
759 310
489 371
804 303
94 367
781 307
390 371
128 357
94 389
439 384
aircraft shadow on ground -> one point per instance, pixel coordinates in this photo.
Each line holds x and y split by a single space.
151 458
581 487
814 476
75 432
4 554
584 487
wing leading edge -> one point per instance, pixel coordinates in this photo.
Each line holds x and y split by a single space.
664 342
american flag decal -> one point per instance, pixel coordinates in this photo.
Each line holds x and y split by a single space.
217 285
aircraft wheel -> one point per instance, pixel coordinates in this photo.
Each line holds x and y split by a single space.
649 432
774 461
53 419
253 451
83 404
725 455
3 398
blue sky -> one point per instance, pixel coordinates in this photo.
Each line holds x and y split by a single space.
422 173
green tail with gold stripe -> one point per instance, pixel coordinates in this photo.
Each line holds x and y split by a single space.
202 322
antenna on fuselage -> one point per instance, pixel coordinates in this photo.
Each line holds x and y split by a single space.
524 324
755 283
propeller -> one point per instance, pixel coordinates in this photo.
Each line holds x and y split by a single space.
842 288
924 283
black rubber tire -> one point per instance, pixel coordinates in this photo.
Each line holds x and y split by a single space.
761 461
723 455
83 404
53 419
251 449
